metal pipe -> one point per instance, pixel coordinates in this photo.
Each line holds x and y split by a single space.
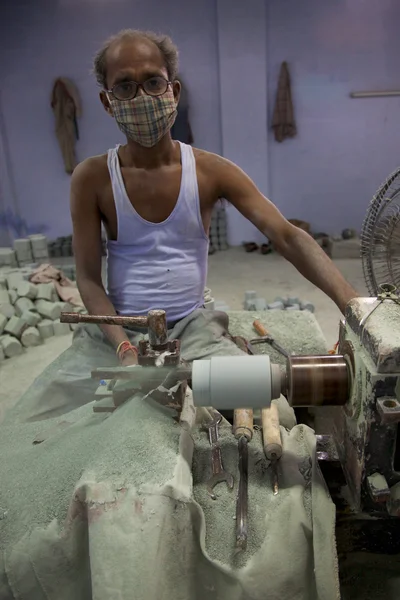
381 94
242 498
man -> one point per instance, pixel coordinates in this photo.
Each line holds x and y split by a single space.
155 198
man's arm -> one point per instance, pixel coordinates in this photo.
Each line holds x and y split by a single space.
87 249
293 243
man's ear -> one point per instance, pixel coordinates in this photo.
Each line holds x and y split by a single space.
106 103
176 87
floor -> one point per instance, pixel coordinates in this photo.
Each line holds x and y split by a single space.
231 273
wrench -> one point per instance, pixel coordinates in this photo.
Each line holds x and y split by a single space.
268 339
218 473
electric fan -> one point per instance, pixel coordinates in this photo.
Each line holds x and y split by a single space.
380 237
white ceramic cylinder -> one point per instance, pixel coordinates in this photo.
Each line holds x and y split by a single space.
229 382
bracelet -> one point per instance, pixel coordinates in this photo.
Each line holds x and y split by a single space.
125 347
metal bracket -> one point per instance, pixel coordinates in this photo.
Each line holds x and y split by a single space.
389 409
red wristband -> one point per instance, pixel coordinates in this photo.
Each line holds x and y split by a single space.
125 347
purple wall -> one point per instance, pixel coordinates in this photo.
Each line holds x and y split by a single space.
326 175
345 147
42 39
242 45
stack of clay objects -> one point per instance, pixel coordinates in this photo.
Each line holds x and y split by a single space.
27 251
29 313
8 258
23 251
218 230
40 248
253 302
61 247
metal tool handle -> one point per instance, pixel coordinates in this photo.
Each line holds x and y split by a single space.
216 459
242 498
271 432
261 330
156 322
134 321
213 436
243 423
267 337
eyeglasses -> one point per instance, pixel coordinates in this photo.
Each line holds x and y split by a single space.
127 90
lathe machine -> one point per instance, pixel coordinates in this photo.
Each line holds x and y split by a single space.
355 395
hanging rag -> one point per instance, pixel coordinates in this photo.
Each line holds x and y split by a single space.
283 122
181 130
66 105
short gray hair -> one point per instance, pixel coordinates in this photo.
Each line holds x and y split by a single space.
163 43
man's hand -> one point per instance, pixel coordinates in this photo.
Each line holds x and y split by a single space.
129 359
294 244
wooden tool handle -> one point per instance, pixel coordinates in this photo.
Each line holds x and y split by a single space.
259 327
271 432
243 423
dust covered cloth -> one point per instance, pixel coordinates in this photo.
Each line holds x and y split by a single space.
115 505
283 122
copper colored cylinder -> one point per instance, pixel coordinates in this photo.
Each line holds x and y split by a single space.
318 380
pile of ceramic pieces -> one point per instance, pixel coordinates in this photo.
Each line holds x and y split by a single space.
254 302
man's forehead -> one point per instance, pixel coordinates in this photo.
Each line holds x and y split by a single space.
134 54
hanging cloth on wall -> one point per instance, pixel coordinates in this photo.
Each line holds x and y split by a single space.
181 130
283 122
66 105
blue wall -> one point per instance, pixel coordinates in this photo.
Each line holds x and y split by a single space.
230 57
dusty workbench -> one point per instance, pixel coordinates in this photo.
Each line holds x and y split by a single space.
296 331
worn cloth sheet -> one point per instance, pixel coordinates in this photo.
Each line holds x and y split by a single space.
115 505
66 289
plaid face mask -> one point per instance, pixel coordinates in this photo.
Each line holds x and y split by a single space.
145 119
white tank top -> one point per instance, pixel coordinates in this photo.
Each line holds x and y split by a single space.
158 265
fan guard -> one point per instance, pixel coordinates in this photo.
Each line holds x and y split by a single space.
380 237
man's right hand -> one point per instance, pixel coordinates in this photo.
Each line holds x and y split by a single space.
129 359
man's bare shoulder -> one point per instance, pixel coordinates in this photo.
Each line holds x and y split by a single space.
90 169
216 170
208 160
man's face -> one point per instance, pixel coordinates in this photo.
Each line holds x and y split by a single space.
136 60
